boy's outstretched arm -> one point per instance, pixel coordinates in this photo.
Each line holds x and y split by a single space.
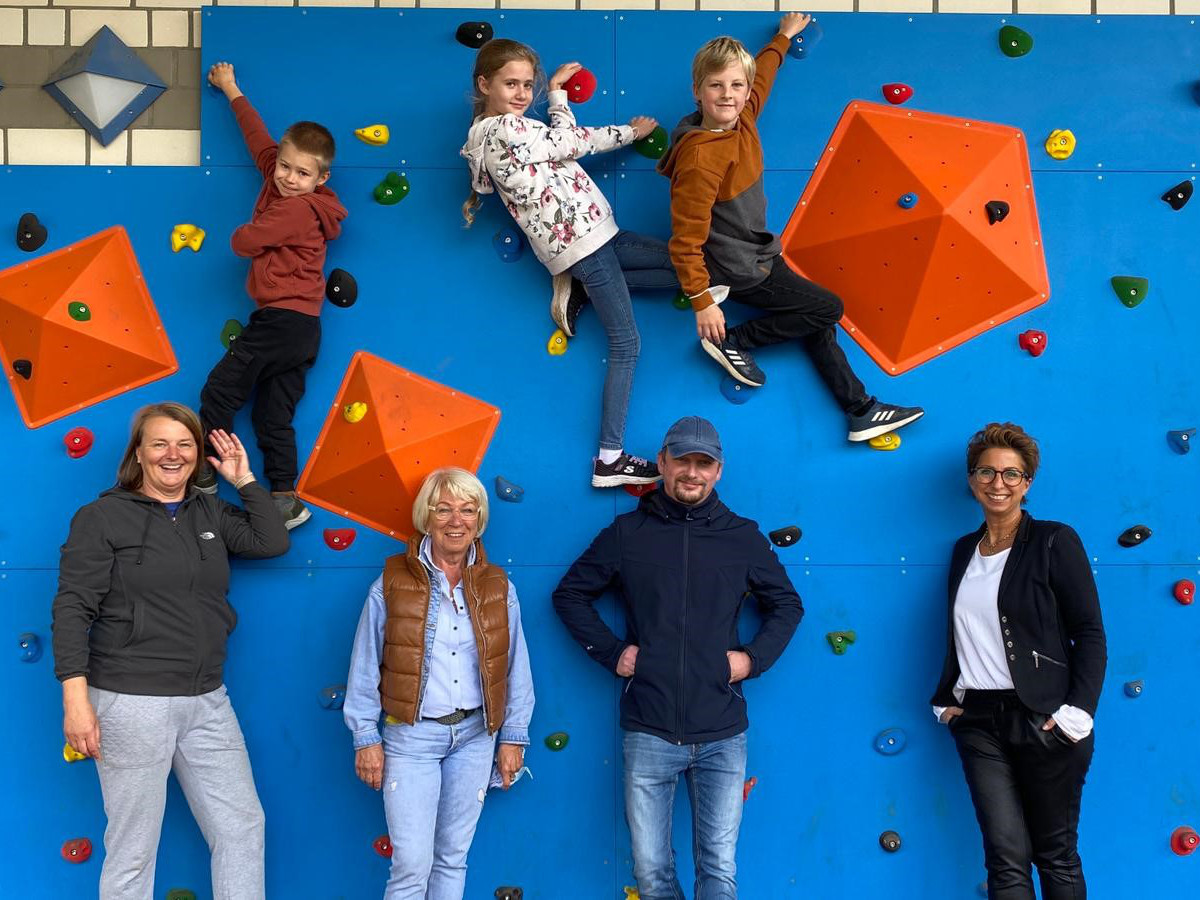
770 58
259 142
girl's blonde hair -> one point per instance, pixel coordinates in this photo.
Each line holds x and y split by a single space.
491 58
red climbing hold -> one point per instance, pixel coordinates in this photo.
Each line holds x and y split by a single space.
637 490
580 86
1185 591
1033 341
748 787
897 93
78 442
339 538
1184 840
383 846
77 850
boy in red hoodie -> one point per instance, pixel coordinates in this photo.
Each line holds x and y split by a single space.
294 215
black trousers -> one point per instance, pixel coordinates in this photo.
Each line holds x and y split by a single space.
799 309
271 357
1026 786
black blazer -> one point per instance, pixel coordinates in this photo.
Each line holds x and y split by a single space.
1049 619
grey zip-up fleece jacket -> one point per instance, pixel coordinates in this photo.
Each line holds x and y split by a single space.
141 605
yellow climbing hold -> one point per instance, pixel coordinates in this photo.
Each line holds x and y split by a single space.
70 754
631 893
557 345
889 441
375 135
1061 143
189 236
354 412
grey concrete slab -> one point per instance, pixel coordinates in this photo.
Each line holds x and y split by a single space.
24 106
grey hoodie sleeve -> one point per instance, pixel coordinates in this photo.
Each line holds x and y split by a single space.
257 531
84 576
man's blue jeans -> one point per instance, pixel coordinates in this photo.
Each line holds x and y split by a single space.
716 773
628 262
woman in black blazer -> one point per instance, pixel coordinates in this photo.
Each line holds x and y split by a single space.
1025 659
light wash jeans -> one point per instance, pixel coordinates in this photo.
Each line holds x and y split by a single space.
434 780
715 773
628 262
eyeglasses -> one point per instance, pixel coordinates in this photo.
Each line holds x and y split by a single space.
443 513
986 475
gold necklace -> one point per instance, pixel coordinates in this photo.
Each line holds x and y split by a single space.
993 545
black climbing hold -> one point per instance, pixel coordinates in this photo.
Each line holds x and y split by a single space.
341 289
785 537
31 233
889 841
996 211
23 367
1178 196
473 34
509 893
1131 537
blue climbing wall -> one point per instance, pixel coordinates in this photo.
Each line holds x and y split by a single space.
877 526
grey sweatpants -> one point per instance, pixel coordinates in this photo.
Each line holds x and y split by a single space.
142 740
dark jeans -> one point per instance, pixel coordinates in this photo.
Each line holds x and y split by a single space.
1026 785
798 309
271 356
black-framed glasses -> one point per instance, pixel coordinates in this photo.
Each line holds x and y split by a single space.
986 475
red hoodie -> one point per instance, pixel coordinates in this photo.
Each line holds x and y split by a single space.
285 238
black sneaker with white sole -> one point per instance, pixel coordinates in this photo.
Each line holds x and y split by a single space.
625 469
738 363
293 511
566 302
881 418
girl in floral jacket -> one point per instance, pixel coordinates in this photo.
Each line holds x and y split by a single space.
568 221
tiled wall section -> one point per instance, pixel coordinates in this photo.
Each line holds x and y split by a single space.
36 36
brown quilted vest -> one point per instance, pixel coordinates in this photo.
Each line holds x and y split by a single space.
406 595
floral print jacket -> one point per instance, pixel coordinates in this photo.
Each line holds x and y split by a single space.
532 167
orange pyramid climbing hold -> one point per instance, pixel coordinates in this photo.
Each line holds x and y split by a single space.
370 470
80 360
917 282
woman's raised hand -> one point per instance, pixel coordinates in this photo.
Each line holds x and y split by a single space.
230 462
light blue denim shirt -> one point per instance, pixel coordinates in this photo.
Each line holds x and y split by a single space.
362 708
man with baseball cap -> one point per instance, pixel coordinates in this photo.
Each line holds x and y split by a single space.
682 563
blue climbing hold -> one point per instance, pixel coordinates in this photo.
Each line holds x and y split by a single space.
1134 688
333 696
907 201
1181 441
735 391
29 647
803 43
506 490
891 741
508 243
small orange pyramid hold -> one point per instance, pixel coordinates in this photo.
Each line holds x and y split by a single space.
371 470
77 363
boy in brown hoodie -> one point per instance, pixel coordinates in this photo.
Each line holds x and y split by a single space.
720 245
294 216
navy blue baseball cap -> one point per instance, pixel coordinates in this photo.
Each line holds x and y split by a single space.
692 434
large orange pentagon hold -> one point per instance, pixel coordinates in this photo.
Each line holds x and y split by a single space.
368 464
77 326
895 220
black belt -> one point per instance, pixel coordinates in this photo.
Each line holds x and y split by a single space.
451 718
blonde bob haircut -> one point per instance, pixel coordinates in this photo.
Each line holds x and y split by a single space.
129 472
717 55
458 483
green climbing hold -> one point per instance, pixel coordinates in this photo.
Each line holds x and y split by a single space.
653 145
230 332
181 894
557 741
392 189
840 640
1130 289
681 301
1014 41
79 311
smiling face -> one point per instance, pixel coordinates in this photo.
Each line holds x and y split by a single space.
722 95
296 172
453 526
167 455
690 478
509 90
1000 501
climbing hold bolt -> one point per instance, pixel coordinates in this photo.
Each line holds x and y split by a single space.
506 490
1185 591
803 43
473 34
580 86
230 332
748 787
557 740
1130 289
508 243
391 190
840 640
997 211
891 741
383 846
31 233
1060 144
681 301
889 841
735 391
354 412
1015 41
189 236
907 201
340 288
78 441
23 367
77 850
332 697
1134 688
788 536
339 538
29 647
1178 196
889 441
1032 341
896 93
71 755
1181 440
557 345
1131 537
1184 840
653 145
79 311
375 135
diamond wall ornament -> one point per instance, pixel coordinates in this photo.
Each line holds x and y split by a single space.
104 86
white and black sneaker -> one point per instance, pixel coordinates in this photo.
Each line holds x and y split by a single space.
738 363
566 302
625 469
880 418
293 511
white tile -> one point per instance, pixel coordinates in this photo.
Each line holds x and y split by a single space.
173 4
677 4
106 3
1133 7
469 4
1182 7
130 25
407 4
895 6
1052 7
829 6
115 154
738 5
339 3
1 143
12 27
165 147
169 28
47 27
196 17
24 2
256 3
46 146
534 4
975 6
615 4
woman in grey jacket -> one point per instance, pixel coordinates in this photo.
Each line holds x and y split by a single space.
140 625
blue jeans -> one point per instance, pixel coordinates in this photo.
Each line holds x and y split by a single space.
628 262
434 780
716 773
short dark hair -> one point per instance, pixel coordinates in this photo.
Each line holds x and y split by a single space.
129 472
314 139
1004 436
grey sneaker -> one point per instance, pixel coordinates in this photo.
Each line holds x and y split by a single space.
567 302
293 511
880 419
625 469
738 363
206 481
